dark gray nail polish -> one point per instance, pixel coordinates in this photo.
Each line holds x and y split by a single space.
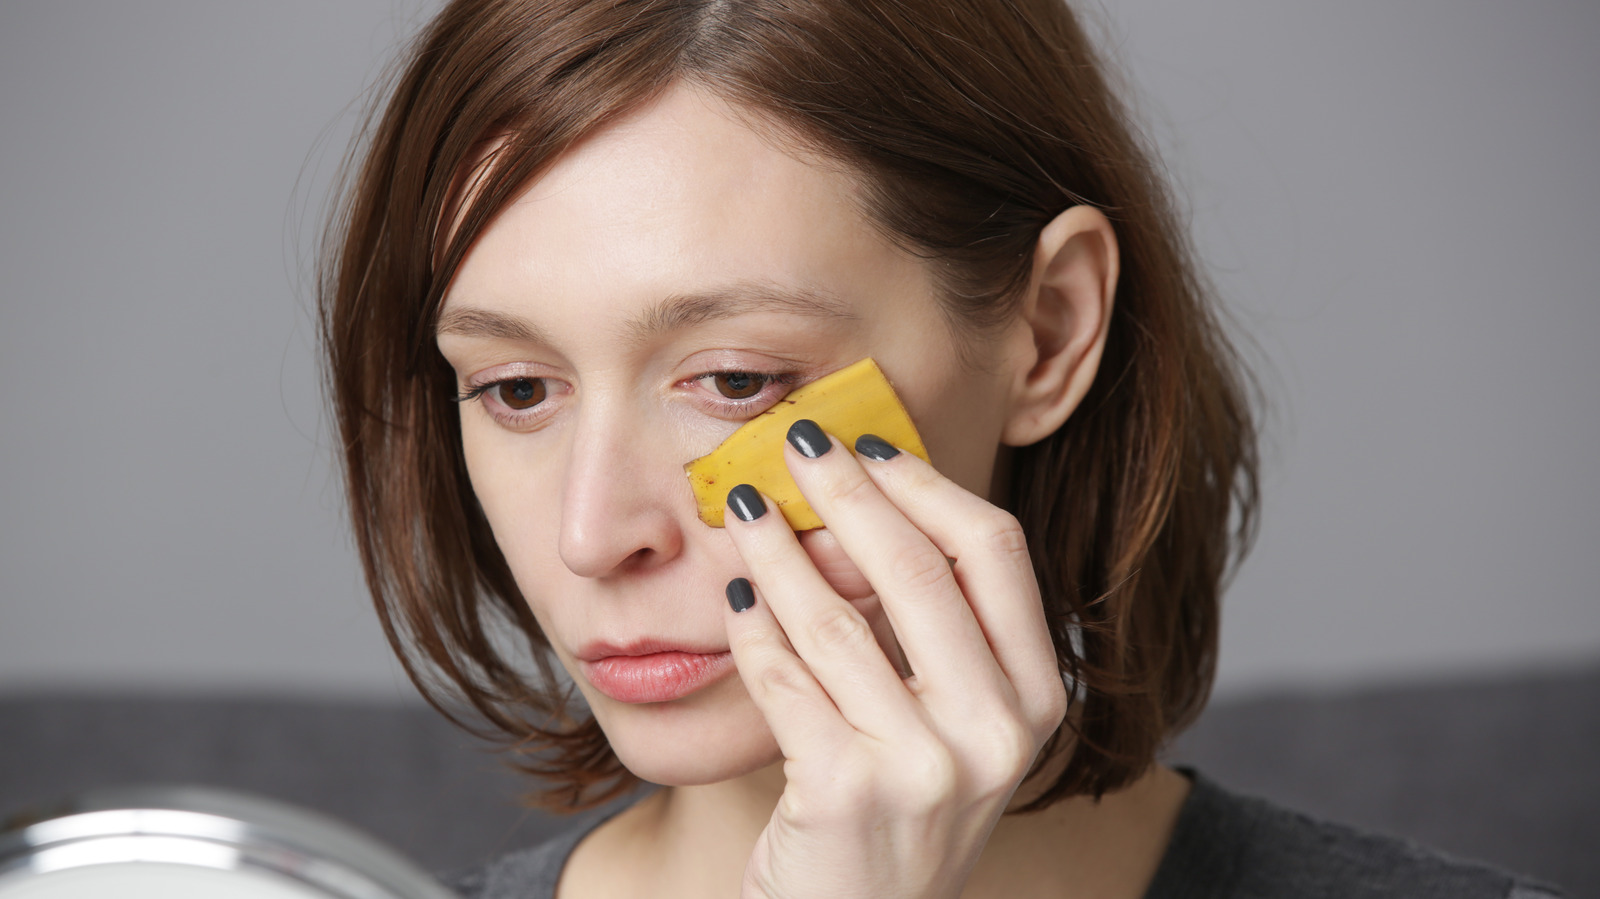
805 436
745 501
875 448
741 595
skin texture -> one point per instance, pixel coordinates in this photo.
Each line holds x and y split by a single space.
814 755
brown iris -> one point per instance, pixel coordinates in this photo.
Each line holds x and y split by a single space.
522 393
738 385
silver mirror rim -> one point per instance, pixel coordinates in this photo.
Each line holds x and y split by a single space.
213 828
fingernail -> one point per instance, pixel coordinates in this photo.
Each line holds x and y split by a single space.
875 448
741 595
805 436
745 501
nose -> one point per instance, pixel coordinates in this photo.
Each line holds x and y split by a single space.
622 500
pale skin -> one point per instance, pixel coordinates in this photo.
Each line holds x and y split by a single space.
679 243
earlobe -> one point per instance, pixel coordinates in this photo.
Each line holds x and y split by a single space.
1061 330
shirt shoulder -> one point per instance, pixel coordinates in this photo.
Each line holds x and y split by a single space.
1226 844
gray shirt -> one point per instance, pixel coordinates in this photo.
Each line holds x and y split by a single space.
1224 845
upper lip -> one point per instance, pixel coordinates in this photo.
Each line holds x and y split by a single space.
602 649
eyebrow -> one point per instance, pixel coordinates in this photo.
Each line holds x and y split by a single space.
470 322
670 314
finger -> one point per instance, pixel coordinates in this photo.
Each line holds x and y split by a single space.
834 564
848 581
991 564
937 630
829 635
798 711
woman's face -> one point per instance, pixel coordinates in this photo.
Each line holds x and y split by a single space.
599 310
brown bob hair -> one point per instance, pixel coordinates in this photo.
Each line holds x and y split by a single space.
970 124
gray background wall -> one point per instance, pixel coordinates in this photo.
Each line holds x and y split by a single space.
1399 201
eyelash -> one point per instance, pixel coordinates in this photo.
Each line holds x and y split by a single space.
473 393
724 405
513 419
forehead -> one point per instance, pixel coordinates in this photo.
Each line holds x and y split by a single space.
680 197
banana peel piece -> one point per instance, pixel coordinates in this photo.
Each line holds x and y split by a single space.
852 401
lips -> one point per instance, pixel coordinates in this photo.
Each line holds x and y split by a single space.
651 672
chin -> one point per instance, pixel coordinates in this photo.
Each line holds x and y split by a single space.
711 736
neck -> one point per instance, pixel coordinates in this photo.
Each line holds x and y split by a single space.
1083 847
694 841
678 841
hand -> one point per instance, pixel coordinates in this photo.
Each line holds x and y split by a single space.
893 785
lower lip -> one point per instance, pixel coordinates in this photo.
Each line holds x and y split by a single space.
658 676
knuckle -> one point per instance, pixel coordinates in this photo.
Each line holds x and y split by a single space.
826 798
750 643
1002 753
1053 706
842 629
999 533
1014 747
797 807
781 681
919 566
762 548
927 772
848 489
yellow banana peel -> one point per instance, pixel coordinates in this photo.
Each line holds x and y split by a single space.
852 401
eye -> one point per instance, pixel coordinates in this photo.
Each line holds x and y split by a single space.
742 394
514 402
738 385
520 393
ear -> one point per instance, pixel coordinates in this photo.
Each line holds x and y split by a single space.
1061 331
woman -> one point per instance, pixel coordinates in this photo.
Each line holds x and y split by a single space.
590 239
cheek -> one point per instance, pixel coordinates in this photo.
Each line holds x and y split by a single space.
960 416
516 488
964 448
